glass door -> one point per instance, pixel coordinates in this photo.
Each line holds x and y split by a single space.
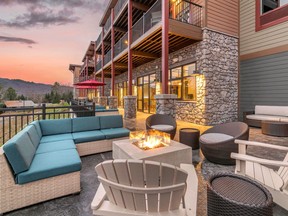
146 95
153 86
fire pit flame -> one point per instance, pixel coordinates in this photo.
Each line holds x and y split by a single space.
150 139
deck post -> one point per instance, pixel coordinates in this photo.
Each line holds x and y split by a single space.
103 52
129 100
112 53
86 72
129 47
165 46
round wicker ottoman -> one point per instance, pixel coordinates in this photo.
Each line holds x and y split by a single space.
230 194
274 128
189 136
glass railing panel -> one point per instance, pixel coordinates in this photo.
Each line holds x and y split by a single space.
137 30
121 45
99 40
119 5
185 11
107 25
99 65
107 57
152 16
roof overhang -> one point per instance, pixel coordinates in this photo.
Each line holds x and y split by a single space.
73 66
90 50
107 12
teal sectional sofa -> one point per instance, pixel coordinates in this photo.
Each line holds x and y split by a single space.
42 161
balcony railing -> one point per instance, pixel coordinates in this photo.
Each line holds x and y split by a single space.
107 25
119 6
149 19
186 11
14 120
99 65
107 57
121 45
99 40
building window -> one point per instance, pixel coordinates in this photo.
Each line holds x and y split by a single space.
270 13
182 83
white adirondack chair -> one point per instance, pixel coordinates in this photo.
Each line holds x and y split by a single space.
136 187
275 181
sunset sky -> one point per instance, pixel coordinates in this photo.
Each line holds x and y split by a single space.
40 38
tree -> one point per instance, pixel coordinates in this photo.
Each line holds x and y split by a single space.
21 97
1 92
10 94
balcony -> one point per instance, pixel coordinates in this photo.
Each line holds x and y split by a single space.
185 28
119 6
98 65
107 25
107 57
98 41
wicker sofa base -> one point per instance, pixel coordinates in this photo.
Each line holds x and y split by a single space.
89 148
14 196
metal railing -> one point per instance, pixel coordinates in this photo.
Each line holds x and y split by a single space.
186 11
13 120
107 57
107 25
99 65
121 45
118 7
147 21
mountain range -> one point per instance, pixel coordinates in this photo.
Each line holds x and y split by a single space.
30 89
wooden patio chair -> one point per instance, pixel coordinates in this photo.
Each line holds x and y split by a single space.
136 187
256 168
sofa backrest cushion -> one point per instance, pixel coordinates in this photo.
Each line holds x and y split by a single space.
271 110
53 127
20 152
36 124
32 133
112 121
85 124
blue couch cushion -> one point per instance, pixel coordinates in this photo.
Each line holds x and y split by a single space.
85 124
36 124
112 121
88 136
55 146
58 137
33 134
20 152
115 133
51 164
58 126
97 107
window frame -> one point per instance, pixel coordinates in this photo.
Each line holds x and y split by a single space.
181 78
274 16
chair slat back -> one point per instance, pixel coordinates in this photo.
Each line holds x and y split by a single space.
142 185
283 173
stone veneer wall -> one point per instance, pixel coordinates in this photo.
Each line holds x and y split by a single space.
217 88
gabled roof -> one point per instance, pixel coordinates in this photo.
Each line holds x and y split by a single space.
19 103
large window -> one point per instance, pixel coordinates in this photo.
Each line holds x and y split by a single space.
270 13
182 82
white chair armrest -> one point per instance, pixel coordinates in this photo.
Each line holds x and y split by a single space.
99 197
191 194
259 144
243 157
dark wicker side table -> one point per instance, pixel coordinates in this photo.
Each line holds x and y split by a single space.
230 194
274 128
189 136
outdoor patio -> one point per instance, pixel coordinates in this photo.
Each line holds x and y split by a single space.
79 204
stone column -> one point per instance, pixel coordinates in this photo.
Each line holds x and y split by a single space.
103 101
166 104
130 110
113 102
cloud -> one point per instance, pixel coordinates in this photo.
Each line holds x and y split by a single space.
41 16
88 4
43 13
17 40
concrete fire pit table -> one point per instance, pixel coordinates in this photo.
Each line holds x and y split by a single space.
175 154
